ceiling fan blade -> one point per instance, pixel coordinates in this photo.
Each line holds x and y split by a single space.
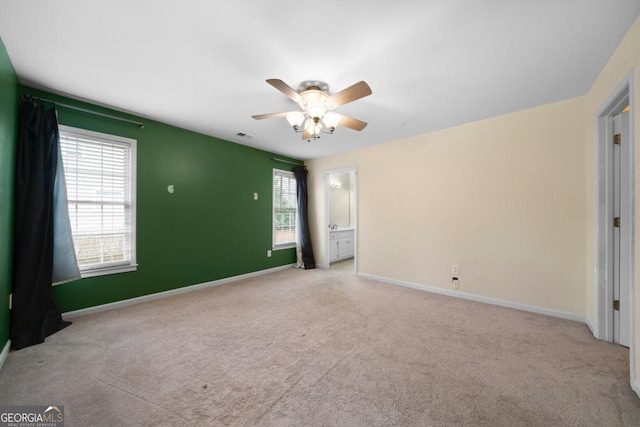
272 115
350 122
350 94
286 89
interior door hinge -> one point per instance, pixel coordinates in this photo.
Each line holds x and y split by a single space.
616 139
616 305
616 222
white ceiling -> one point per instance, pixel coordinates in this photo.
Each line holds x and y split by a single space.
202 64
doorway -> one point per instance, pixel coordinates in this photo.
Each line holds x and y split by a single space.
615 219
341 218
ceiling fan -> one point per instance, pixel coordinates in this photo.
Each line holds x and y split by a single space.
317 105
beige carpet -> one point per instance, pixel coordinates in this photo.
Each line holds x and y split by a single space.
323 348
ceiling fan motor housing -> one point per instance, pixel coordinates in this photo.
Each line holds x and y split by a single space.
313 84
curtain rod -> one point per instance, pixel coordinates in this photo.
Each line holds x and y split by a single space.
84 110
286 161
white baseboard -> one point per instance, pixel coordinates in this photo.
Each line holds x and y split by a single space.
165 294
590 326
478 298
5 353
635 385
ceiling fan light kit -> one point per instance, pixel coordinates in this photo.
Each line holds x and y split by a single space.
317 116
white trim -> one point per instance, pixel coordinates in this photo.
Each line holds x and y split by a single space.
99 135
131 265
633 291
103 271
284 245
172 292
603 283
347 169
602 296
590 326
477 298
5 353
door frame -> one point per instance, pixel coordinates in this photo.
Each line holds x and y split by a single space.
603 120
325 177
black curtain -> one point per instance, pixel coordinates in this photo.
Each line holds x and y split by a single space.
34 315
304 235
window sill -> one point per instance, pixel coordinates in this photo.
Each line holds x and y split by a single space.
281 247
104 271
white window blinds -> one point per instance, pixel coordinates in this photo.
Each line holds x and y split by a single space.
284 208
100 189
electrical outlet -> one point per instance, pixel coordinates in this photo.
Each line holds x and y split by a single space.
455 269
455 283
269 253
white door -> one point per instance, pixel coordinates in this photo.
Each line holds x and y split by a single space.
621 231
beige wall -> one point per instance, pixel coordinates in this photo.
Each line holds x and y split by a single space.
625 59
510 199
504 198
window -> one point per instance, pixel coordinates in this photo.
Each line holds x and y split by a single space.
284 209
99 170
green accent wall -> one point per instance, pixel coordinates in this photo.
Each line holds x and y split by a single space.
8 136
210 228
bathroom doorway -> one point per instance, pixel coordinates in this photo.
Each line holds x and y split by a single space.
341 217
